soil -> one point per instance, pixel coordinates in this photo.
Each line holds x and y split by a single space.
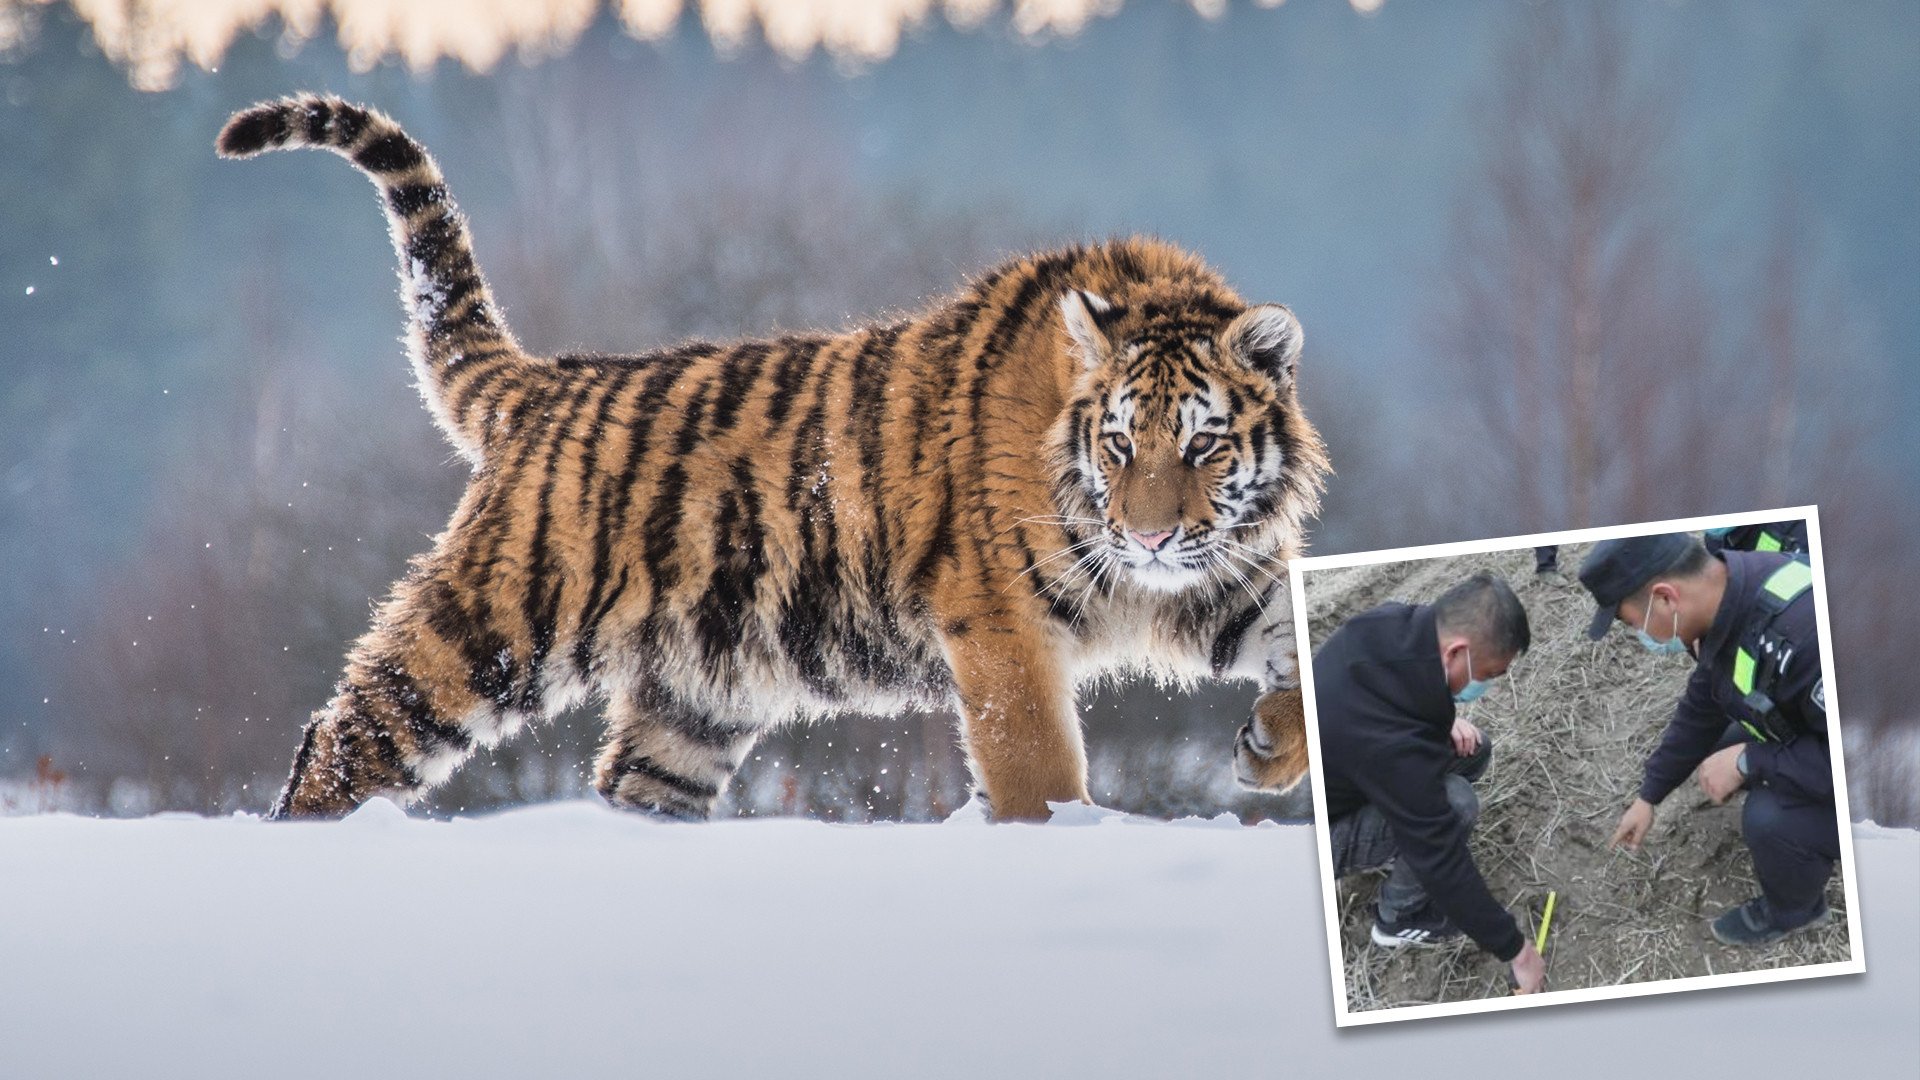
1571 726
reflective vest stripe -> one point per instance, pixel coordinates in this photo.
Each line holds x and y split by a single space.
1781 587
1767 542
1790 580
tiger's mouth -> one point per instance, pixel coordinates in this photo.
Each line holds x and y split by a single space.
1177 562
1166 577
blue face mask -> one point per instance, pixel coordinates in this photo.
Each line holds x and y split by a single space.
1474 688
1670 647
1721 531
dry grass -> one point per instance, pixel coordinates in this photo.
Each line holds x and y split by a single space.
1571 726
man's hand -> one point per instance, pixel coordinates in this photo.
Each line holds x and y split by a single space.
1719 775
1466 737
1529 970
1633 825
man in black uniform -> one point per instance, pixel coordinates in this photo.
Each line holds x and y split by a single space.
1754 715
1785 537
1399 765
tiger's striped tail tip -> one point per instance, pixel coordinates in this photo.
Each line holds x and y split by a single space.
256 130
302 120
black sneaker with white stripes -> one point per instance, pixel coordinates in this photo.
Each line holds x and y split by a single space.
1420 927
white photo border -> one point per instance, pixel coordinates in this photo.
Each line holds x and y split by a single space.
1296 569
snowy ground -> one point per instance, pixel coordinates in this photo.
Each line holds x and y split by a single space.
570 940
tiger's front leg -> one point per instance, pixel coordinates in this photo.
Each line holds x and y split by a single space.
1022 734
1270 752
1270 749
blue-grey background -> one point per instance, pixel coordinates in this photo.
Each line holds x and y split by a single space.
1558 266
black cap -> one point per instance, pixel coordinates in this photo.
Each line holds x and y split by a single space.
1616 569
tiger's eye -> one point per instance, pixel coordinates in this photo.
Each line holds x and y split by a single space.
1198 446
1119 443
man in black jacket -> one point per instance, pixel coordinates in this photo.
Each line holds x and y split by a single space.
1754 715
1399 765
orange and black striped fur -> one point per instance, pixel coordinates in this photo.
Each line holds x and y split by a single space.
1086 460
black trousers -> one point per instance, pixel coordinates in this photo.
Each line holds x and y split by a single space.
1795 845
1363 840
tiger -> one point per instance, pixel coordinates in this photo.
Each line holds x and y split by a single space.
1085 461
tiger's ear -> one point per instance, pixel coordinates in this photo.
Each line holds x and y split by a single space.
1088 317
1266 338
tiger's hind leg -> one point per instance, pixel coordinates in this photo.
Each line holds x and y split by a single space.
666 756
404 715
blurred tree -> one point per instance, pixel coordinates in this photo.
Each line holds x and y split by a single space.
1599 380
276 522
1570 323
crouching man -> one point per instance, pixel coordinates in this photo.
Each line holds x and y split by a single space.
1400 765
1754 716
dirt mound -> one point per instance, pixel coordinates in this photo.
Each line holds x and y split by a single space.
1571 726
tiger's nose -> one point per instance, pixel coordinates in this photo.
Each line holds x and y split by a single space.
1152 541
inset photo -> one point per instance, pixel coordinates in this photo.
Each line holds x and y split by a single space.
1576 766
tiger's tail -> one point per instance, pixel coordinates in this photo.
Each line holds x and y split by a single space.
456 336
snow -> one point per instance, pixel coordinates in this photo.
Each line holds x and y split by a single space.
425 297
569 939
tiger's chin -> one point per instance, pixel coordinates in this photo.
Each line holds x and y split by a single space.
1160 577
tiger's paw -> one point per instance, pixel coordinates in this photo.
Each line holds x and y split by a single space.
1270 752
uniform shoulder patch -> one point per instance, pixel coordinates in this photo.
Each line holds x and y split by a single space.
1819 695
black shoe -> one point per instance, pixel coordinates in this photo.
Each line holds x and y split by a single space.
1752 923
1421 927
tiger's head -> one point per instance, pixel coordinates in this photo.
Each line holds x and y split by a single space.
1184 437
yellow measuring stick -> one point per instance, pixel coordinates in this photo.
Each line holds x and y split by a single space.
1546 918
